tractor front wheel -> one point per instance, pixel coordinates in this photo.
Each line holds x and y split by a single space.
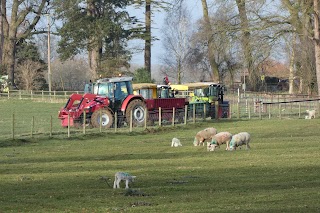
138 112
104 116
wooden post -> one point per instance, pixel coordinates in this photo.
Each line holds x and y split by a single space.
299 109
204 111
216 107
131 113
19 94
173 117
84 121
54 94
185 114
230 110
68 125
115 121
31 94
32 126
145 118
260 105
160 116
269 107
249 112
238 111
50 126
42 95
279 111
100 117
194 113
13 126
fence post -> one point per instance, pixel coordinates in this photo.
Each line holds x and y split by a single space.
68 125
115 121
185 114
42 95
84 121
9 94
130 130
13 126
32 126
204 111
194 113
20 95
249 111
50 125
299 109
279 111
145 117
160 116
100 117
173 117
269 107
260 105
31 94
238 110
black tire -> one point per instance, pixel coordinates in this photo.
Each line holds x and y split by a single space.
138 113
106 117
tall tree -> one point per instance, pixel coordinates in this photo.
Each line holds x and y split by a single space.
177 32
316 7
24 16
245 40
93 26
208 30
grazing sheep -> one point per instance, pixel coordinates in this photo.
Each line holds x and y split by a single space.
242 138
218 139
175 142
203 135
119 176
311 114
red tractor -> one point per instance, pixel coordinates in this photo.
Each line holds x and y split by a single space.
100 102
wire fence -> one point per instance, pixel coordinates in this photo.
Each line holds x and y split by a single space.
22 125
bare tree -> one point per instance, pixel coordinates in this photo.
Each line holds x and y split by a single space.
24 16
209 39
176 41
316 7
28 73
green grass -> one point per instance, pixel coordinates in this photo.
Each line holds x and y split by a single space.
279 174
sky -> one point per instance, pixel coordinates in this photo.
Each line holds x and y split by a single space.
195 8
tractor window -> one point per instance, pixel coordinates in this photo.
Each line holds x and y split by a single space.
146 93
103 89
199 92
121 91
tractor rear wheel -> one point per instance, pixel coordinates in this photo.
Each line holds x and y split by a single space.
105 116
138 112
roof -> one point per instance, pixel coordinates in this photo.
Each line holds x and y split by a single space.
144 86
115 79
200 84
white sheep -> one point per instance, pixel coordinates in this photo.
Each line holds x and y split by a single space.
242 138
119 176
175 142
203 135
311 114
218 139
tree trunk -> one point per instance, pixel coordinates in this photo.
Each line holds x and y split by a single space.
245 41
291 69
147 48
211 55
317 39
2 8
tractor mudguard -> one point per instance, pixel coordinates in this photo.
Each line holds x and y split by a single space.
128 99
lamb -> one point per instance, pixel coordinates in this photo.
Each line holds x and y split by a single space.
119 176
218 139
311 114
242 138
203 135
175 142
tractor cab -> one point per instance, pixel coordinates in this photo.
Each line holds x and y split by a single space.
165 91
205 92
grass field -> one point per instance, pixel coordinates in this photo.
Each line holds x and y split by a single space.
279 174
